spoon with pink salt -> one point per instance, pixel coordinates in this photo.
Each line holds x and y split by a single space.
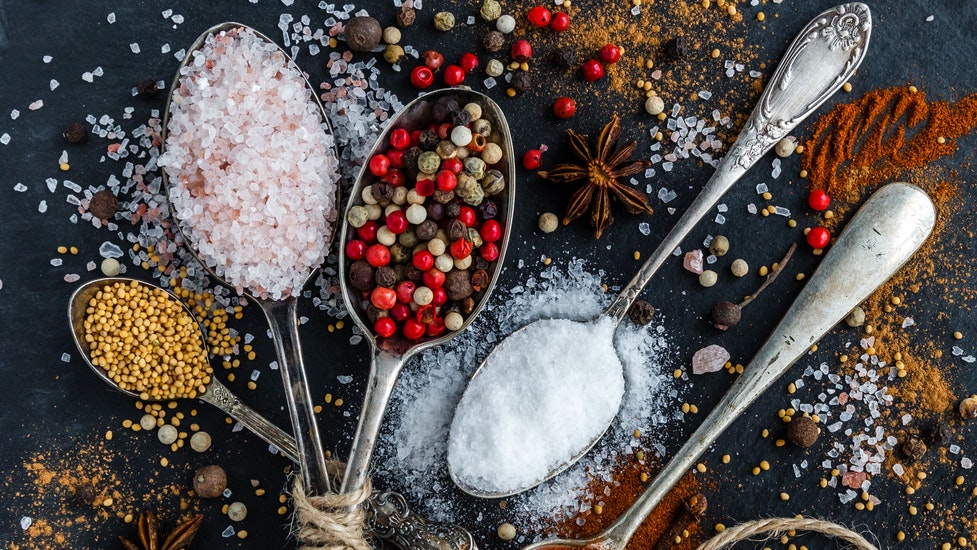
485 456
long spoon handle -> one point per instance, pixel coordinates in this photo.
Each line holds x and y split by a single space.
219 396
819 61
881 236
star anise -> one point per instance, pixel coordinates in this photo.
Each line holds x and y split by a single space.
180 538
601 169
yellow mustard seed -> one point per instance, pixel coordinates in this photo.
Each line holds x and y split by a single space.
760 16
726 459
715 53
62 250
784 496
958 335
764 465
846 87
701 468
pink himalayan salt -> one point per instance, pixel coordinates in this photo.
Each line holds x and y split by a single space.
709 359
693 261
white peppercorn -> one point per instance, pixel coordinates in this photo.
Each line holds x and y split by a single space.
147 422
708 278
167 434
474 111
505 24
390 209
373 211
461 136
385 236
111 267
443 263
414 198
548 222
453 320
654 105
785 147
391 35
464 263
357 216
494 68
507 531
200 441
491 154
429 161
416 213
237 511
739 267
437 247
856 317
367 195
400 195
423 296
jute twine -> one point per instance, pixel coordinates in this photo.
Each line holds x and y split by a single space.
768 528
334 521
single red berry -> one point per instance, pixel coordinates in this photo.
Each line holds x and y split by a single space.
423 260
385 327
532 159
383 298
435 327
489 252
818 237
424 187
405 291
368 232
432 59
394 176
415 138
396 157
560 22
400 138
421 77
397 222
413 329
379 165
454 75
440 296
453 164
491 231
539 16
819 200
461 249
564 107
447 180
467 216
468 62
378 255
444 130
355 249
521 50
592 70
400 311
609 54
433 278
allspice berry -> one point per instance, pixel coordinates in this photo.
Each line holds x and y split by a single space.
406 16
802 431
968 407
363 33
103 204
521 81
719 246
147 88
85 493
75 132
913 448
210 481
725 315
493 41
938 434
641 312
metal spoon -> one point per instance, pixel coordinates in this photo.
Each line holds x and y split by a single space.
822 58
388 515
390 354
281 314
880 238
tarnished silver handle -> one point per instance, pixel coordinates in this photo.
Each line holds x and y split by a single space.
822 58
219 396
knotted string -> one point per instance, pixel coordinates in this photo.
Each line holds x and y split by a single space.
774 527
333 521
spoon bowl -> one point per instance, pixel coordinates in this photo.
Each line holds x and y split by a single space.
819 61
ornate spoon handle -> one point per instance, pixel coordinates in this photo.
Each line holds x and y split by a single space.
822 58
219 396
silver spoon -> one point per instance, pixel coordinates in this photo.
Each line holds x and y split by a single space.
390 354
819 61
388 515
281 314
880 238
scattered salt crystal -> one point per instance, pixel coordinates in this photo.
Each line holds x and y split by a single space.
968 358
228 532
47 59
781 211
720 219
954 449
929 18
14 113
957 351
966 463
110 250
693 261
72 278
898 469
54 84
36 105
87 77
709 359
165 48
20 187
110 18
761 188
751 208
65 358
42 207
26 522
134 47
644 228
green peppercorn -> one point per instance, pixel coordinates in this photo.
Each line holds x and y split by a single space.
493 183
475 167
428 162
393 54
491 10
469 189
444 20
719 245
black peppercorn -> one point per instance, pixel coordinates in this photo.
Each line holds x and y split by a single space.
382 192
565 57
385 276
363 33
410 162
641 312
147 88
428 140
452 209
803 431
677 48
461 117
443 197
435 211
913 448
725 315
480 264
441 111
458 284
488 210
521 81
406 16
456 230
938 434
103 204
361 275
493 41
85 493
467 305
75 132
413 274
427 229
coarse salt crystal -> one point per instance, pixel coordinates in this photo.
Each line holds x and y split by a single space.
709 359
134 47
42 207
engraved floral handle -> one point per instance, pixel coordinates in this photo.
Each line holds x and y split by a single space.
819 61
219 396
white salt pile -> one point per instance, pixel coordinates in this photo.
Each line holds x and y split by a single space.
250 164
556 383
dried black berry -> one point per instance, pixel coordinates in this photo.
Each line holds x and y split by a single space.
458 284
428 140
521 81
493 41
103 204
803 431
382 192
441 111
85 493
725 315
938 434
641 312
565 57
361 275
427 229
435 211
147 88
488 210
385 276
363 33
456 230
452 209
461 117
677 48
75 132
406 16
912 448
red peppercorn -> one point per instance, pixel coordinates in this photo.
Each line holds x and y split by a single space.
539 16
432 59
385 327
453 164
532 159
435 327
424 187
395 177
383 298
489 252
378 255
423 260
491 231
379 165
461 249
819 200
440 296
454 75
415 138
421 77
444 130
447 180
405 291
433 278
521 50
592 70
467 216
400 138
368 232
609 54
818 237
396 157
397 222
560 22
355 249
468 62
564 107
413 329
400 311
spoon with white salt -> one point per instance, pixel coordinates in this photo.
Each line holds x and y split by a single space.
564 396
